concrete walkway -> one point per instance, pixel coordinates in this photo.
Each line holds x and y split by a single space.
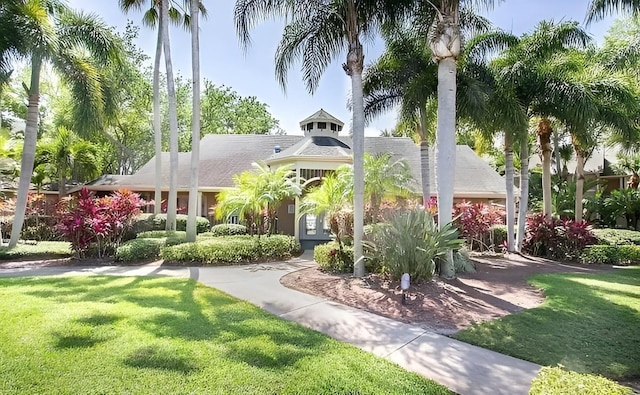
463 368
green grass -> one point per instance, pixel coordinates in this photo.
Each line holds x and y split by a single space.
41 249
558 381
100 334
588 323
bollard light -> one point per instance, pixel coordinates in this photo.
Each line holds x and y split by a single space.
405 283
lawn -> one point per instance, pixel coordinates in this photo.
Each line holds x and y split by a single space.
588 323
47 249
102 334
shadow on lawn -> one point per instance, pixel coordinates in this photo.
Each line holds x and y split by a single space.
185 310
162 358
576 327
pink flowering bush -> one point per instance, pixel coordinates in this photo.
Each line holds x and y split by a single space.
474 221
97 225
563 239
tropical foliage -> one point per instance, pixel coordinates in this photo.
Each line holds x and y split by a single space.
257 195
411 242
97 225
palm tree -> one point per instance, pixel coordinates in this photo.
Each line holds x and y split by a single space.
333 199
630 163
195 121
159 14
598 9
385 178
317 32
404 75
67 155
526 72
71 42
258 191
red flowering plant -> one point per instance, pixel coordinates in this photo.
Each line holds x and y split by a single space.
474 220
97 224
555 238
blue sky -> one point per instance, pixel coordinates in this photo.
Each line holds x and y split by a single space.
251 73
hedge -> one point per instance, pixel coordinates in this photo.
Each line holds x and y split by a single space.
558 381
329 258
228 230
611 254
232 250
148 222
140 249
617 236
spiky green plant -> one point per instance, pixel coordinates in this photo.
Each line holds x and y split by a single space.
411 242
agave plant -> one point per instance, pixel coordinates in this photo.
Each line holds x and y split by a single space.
411 242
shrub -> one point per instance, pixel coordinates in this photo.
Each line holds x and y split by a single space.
228 230
171 238
611 254
97 224
148 222
617 236
558 381
139 249
474 220
411 242
497 236
232 250
332 258
555 238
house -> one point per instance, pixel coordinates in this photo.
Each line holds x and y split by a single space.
319 150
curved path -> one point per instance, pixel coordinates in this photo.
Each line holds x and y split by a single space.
463 368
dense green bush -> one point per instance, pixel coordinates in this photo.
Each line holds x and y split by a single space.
411 242
497 236
232 250
148 222
330 258
139 249
557 381
611 254
172 238
228 230
617 236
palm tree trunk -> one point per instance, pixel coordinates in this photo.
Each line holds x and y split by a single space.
28 151
195 124
157 123
524 192
446 150
556 152
353 67
173 123
579 183
358 172
424 158
544 136
445 46
510 203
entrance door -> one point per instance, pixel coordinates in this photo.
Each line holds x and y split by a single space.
314 230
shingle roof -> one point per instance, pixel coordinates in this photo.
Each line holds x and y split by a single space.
322 115
323 146
222 156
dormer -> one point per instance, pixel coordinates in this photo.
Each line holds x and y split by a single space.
321 124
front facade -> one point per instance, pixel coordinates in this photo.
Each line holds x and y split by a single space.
319 150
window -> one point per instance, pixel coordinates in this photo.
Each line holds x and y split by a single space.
322 125
310 126
339 128
233 220
291 209
334 127
310 224
326 225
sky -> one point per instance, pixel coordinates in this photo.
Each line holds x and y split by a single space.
251 72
